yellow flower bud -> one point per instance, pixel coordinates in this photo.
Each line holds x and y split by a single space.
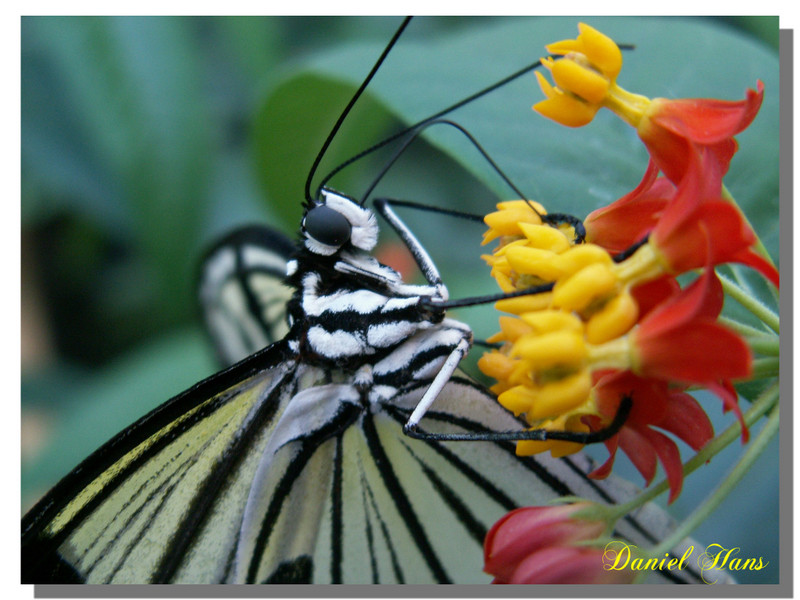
513 328
557 448
615 319
505 221
601 50
499 388
545 237
534 207
496 365
578 257
517 399
515 242
580 80
558 397
523 304
521 374
545 321
551 349
563 108
586 78
531 447
584 287
560 448
503 280
533 261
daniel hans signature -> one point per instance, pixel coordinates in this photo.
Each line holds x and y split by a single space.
619 556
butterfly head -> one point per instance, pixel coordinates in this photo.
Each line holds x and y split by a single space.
335 222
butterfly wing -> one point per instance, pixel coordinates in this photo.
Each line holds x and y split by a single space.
347 498
350 499
279 477
459 489
163 492
242 291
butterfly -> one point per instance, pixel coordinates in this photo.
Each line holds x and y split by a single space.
291 465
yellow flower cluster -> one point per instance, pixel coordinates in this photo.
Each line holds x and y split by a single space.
557 338
586 80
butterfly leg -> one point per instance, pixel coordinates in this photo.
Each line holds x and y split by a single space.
430 355
421 256
442 377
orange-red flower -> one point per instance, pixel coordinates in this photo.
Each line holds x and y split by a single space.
690 226
699 228
535 545
677 343
655 405
673 130
651 294
625 222
681 340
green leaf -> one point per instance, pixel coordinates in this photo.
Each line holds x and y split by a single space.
575 170
290 128
114 130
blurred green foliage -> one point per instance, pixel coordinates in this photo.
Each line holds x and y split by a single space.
145 138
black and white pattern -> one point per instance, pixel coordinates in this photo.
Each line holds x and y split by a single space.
242 291
291 466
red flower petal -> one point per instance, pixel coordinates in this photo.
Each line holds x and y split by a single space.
651 294
568 565
686 419
655 404
708 121
759 263
670 459
604 470
716 226
626 221
702 299
640 452
700 182
649 396
668 150
674 129
524 531
699 352
730 401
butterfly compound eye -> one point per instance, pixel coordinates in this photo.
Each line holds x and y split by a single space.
327 226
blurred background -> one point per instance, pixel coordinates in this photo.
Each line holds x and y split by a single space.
144 139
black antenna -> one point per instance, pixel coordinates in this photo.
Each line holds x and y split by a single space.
441 113
433 117
349 106
488 299
417 132
542 435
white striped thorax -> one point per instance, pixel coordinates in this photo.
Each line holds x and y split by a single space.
350 310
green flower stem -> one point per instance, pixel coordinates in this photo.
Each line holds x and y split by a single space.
764 344
754 450
764 314
767 399
760 342
764 368
743 328
758 245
